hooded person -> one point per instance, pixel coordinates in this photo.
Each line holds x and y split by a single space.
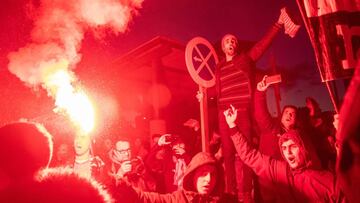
294 179
203 182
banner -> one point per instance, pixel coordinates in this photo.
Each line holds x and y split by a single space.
334 30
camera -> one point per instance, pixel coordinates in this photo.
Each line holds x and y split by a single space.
137 167
172 138
137 170
169 138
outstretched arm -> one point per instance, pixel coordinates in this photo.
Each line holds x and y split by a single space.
261 164
124 192
262 45
261 112
284 20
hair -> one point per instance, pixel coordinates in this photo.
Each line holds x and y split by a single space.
25 148
296 112
176 139
124 141
289 106
317 109
223 38
237 50
63 185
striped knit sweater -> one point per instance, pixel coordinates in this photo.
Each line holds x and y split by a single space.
234 79
235 87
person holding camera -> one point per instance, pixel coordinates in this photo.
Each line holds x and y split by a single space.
132 170
168 161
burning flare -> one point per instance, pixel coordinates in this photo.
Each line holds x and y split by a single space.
53 52
73 102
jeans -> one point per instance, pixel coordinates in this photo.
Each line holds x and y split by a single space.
238 177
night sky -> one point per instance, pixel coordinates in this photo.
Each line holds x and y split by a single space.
180 20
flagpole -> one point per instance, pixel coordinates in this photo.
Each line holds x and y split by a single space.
332 96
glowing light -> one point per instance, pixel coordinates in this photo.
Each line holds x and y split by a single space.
52 54
74 102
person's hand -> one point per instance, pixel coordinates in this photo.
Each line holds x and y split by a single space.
230 116
262 85
192 123
199 96
162 140
282 16
218 155
178 150
115 156
125 168
288 22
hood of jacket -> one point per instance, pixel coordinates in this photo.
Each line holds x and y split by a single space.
295 136
201 159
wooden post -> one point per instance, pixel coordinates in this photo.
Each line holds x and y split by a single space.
204 120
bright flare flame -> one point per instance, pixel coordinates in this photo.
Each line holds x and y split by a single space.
72 101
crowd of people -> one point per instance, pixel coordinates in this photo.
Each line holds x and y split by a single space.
286 165
260 158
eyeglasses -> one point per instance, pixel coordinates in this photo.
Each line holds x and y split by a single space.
123 151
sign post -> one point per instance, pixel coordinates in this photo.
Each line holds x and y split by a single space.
201 60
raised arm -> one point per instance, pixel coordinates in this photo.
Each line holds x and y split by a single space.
124 192
263 44
261 112
284 20
261 164
153 197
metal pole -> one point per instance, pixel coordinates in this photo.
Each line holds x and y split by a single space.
204 120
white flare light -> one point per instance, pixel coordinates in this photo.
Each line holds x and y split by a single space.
50 57
70 100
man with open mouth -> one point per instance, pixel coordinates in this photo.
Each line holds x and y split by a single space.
295 179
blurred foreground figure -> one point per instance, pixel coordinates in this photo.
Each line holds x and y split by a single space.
60 185
202 183
24 149
348 138
295 180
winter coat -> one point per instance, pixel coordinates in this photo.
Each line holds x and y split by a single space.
300 185
270 128
188 194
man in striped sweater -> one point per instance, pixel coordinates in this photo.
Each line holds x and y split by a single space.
234 85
